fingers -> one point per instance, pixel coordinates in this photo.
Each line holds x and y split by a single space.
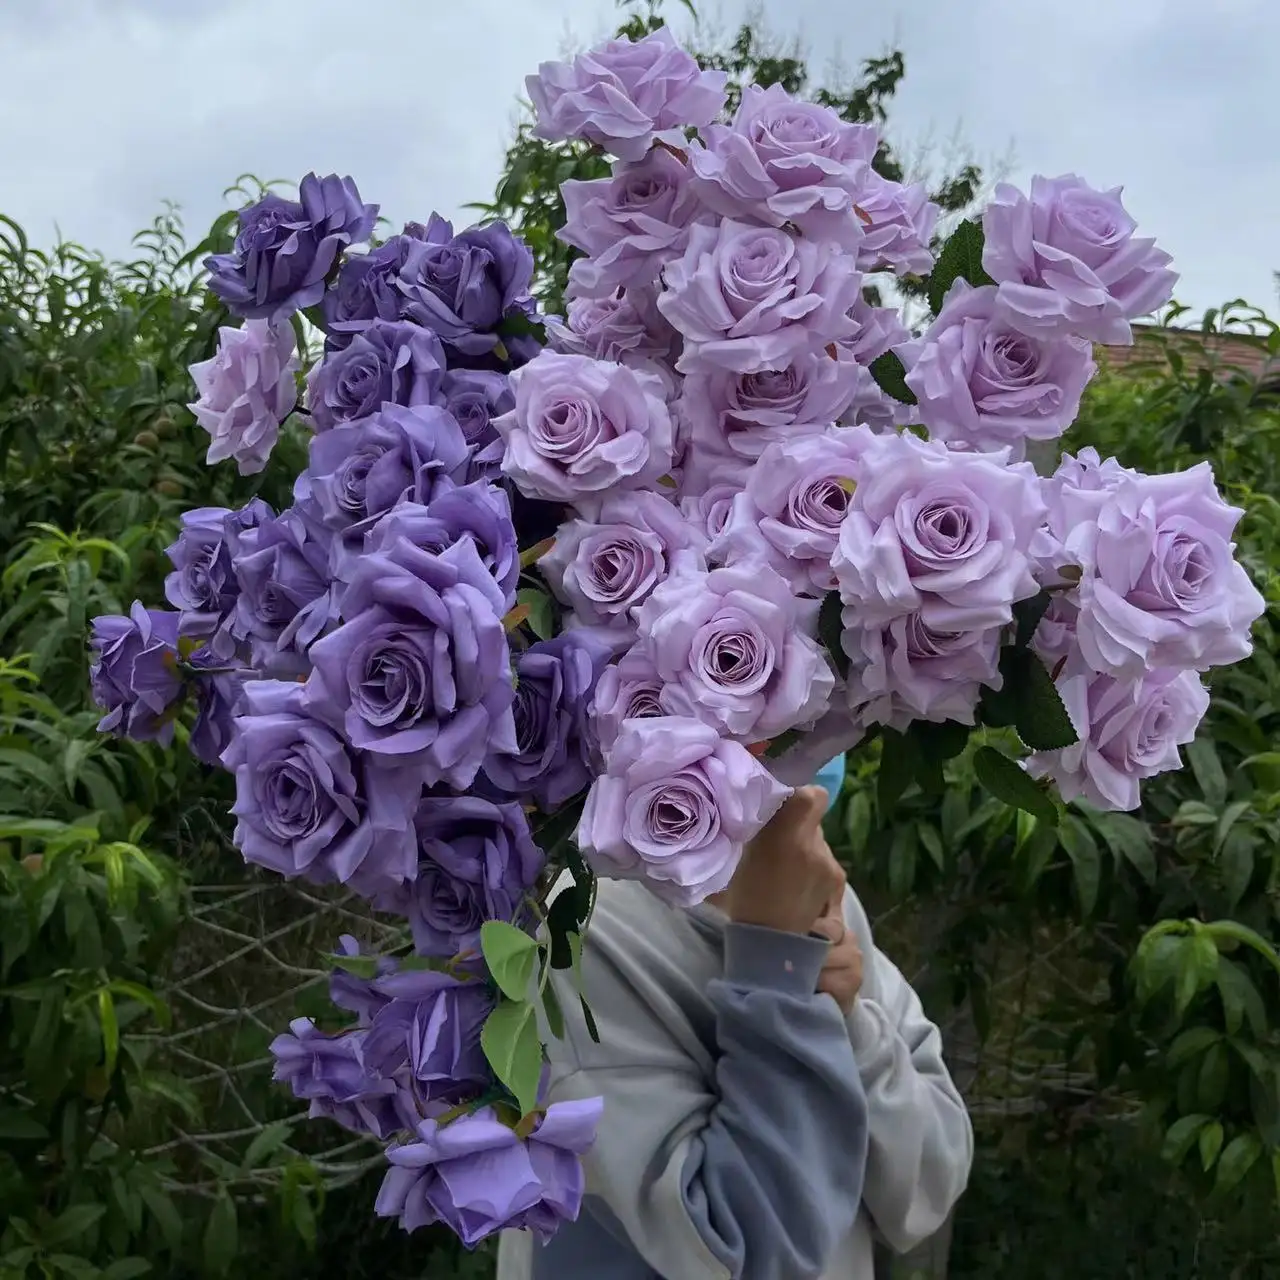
832 928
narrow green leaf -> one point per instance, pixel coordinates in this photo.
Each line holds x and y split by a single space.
110 1027
266 1144
221 1236
1008 781
1203 756
127 1269
1086 861
73 1223
166 1217
552 1011
511 1045
1211 1137
1182 1133
1240 1155
511 955
902 861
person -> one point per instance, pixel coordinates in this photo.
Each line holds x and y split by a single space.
775 1098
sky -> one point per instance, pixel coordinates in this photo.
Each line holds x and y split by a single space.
112 107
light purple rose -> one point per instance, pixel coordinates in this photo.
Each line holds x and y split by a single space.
1129 729
675 807
477 1178
875 330
709 510
134 673
387 362
784 161
982 384
795 500
630 689
419 672
908 670
629 225
738 643
627 328
897 221
1067 261
605 568
245 392
620 94
581 427
873 408
748 298
928 526
308 805
1160 584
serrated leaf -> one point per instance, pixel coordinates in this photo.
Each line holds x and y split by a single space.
511 1045
511 956
1040 716
1009 782
960 258
890 376
831 629
1027 615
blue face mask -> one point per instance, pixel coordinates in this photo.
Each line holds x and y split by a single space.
831 776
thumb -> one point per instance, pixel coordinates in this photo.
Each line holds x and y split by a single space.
830 927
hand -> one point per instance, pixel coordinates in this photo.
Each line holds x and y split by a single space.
787 874
841 977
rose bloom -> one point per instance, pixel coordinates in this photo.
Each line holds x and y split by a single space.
619 95
708 506
899 221
1067 261
1129 729
630 689
675 807
627 328
747 298
134 673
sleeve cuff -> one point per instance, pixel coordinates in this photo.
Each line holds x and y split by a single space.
772 960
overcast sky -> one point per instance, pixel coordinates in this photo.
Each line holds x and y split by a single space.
110 107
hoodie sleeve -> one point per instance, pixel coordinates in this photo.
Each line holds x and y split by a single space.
753 1169
921 1139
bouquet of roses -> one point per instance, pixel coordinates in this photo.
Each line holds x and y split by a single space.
579 596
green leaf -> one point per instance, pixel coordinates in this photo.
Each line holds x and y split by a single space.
74 1222
110 1027
857 818
1203 755
1040 717
1190 1044
1127 838
902 860
960 258
890 376
542 614
552 1011
266 1144
511 1045
1027 615
831 629
933 844
1007 781
1214 1073
898 762
511 955
1240 1156
127 1269
1241 1000
1182 1133
166 1216
21 1126
941 742
1211 1137
592 1030
221 1236
1086 861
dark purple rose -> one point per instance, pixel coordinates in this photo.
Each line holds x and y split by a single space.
286 249
389 362
310 806
203 586
555 683
462 286
134 673
419 672
368 288
217 704
358 995
286 598
475 397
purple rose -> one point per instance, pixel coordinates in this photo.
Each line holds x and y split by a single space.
308 805
908 669
1128 730
475 397
285 249
581 427
218 695
462 286
287 598
794 503
738 643
477 861
629 225
743 413
359 471
783 161
1067 261
552 756
245 392
368 288
419 672
203 586
674 808
605 568
431 1025
748 298
708 506
630 689
619 95
1160 585
354 994
875 330
388 362
983 385
629 329
930 526
134 673
897 224
475 1176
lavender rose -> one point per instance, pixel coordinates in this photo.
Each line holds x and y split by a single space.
930 526
134 673
245 392
605 568
981 384
782 161
674 808
628 329
581 427
418 674
551 759
368 288
738 643
387 362
897 224
309 806
630 689
619 95
1128 730
218 697
1067 261
875 330
475 397
707 506
285 249
748 298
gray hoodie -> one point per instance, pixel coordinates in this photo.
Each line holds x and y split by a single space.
750 1131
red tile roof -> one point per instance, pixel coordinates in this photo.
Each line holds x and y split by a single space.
1233 354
